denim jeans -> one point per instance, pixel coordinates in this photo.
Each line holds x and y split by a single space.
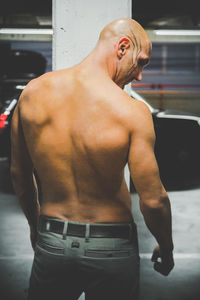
103 268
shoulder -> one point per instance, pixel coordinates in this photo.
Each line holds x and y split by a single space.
37 86
134 114
139 119
33 101
40 89
44 88
136 110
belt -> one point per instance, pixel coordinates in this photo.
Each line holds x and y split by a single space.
103 230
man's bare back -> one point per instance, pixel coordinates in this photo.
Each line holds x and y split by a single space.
78 128
77 132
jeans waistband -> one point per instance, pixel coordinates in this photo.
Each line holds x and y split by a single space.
79 229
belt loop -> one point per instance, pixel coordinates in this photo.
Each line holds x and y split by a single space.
47 226
87 233
65 230
130 231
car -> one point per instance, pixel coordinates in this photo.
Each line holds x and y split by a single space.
18 67
177 146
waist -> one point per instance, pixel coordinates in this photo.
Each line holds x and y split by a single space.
80 229
88 210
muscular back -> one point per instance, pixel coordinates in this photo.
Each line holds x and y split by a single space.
77 136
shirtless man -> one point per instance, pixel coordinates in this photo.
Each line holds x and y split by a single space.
78 128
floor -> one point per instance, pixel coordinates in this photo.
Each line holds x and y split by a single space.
182 284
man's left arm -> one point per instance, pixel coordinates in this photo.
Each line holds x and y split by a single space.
23 179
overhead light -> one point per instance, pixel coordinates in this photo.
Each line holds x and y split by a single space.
20 87
177 32
25 31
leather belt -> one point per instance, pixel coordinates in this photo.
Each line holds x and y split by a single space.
103 230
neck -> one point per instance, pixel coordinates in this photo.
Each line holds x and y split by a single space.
99 61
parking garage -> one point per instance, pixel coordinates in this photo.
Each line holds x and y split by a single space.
170 87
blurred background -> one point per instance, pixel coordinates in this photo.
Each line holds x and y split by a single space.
170 87
173 76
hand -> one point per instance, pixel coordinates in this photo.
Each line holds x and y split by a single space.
167 262
33 237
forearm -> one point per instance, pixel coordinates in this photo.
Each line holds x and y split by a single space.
27 193
157 216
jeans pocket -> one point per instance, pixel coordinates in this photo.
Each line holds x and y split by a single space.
106 253
50 248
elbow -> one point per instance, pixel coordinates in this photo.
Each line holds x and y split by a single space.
18 178
15 180
22 185
13 174
154 204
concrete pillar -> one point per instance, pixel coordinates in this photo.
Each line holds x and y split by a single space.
77 24
76 27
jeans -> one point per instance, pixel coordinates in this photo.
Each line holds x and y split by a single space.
103 268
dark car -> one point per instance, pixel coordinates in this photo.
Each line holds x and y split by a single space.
177 146
18 67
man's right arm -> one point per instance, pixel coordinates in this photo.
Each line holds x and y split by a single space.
154 201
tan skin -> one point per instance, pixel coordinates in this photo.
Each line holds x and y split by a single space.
78 129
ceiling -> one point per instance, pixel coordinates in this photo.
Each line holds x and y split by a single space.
151 14
176 14
25 6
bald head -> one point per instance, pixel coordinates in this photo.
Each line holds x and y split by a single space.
124 27
123 50
127 48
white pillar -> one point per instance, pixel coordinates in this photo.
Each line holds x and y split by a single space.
77 24
76 27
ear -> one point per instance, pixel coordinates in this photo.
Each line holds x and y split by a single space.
123 45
